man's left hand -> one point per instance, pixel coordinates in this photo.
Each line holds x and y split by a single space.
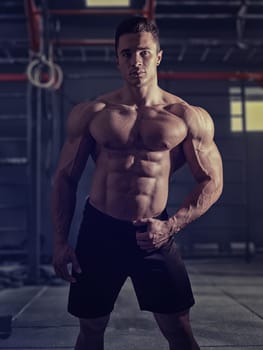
156 233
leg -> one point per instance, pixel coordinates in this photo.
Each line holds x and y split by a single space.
91 335
177 330
103 274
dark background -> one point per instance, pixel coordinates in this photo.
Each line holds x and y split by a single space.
220 40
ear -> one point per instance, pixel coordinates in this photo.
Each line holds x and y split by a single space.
159 57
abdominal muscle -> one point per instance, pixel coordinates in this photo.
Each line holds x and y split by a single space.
130 185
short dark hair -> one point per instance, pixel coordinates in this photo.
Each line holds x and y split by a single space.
137 25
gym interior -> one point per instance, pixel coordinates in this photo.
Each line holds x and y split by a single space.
55 54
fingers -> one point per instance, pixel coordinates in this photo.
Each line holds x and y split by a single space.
62 258
152 245
63 272
75 264
141 222
151 241
144 236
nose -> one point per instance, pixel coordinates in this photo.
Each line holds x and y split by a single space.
136 60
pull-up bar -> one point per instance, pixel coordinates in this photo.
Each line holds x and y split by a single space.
147 11
83 42
83 12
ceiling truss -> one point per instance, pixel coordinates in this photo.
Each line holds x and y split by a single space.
218 33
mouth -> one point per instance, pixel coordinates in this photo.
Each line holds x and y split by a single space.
137 74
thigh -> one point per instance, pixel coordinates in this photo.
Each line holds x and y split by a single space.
95 292
161 281
103 273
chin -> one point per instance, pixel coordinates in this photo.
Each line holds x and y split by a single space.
138 83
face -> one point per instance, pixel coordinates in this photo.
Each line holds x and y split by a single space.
137 58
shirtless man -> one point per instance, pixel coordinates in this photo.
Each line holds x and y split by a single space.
138 137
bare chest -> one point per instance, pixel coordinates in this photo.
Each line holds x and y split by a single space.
147 128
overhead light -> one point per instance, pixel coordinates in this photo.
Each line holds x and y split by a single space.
107 3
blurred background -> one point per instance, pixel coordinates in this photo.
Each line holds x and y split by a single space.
55 54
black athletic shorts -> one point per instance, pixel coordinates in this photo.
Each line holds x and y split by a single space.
108 253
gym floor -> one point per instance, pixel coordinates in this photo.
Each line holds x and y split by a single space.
228 313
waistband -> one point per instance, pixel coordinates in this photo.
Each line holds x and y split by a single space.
97 214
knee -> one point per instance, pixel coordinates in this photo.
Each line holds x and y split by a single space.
176 329
93 326
173 323
174 332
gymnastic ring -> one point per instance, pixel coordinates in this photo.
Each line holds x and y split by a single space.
33 73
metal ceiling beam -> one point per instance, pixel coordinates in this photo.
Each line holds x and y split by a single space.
209 42
182 53
14 60
205 54
210 16
207 3
211 75
150 8
83 42
13 77
20 43
241 24
227 55
165 42
11 17
33 25
84 12
168 75
148 11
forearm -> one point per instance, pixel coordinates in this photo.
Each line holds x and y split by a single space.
63 206
196 204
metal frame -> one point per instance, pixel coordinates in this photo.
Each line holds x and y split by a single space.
228 51
168 75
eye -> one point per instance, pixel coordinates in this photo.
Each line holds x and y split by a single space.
126 54
145 53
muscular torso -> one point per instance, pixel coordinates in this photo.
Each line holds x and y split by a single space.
136 150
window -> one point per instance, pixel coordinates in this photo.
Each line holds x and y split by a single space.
253 108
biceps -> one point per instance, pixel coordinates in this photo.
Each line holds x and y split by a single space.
205 162
73 158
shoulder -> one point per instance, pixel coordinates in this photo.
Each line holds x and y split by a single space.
81 115
86 109
114 97
171 99
198 121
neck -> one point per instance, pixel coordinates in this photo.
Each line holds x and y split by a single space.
143 95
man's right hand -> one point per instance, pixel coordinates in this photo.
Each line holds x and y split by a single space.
64 255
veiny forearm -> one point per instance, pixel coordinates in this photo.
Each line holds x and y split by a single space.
196 204
63 206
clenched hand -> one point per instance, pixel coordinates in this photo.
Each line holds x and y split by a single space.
64 255
156 233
